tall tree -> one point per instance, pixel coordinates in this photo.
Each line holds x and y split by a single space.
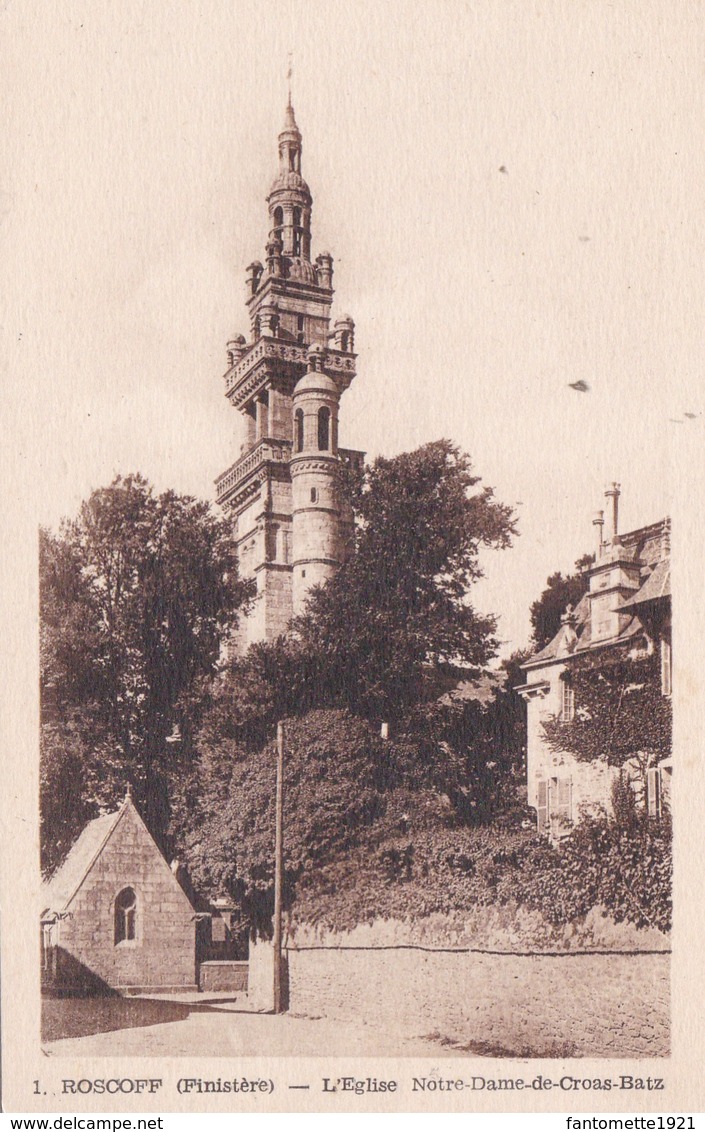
137 597
399 609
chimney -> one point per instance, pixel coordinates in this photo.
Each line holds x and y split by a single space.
599 522
613 493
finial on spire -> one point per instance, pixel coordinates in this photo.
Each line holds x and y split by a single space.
288 77
128 793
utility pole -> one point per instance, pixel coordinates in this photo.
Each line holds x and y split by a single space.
278 870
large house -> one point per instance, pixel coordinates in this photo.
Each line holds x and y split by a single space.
626 612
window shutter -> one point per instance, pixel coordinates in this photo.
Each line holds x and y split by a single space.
665 774
542 806
564 795
653 792
666 682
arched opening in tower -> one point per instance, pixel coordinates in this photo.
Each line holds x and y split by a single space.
323 429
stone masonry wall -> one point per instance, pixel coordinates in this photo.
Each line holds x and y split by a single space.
571 1005
591 782
223 975
164 952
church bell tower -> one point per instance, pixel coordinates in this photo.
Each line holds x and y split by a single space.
292 523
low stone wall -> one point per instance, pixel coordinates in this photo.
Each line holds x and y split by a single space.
571 1005
223 975
495 980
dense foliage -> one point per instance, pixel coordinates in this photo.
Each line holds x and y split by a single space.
404 872
620 711
136 598
386 829
345 784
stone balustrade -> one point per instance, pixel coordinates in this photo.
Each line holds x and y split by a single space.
267 450
336 362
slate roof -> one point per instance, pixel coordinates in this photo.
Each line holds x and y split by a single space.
58 892
656 586
645 546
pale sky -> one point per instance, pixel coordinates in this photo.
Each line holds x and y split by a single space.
511 193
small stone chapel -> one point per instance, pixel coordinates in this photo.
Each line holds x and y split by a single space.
114 916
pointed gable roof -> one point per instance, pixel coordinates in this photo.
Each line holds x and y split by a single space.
58 892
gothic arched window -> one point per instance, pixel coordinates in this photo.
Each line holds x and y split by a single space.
278 217
344 341
323 429
299 430
125 915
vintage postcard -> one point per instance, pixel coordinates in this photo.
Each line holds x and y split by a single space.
352 565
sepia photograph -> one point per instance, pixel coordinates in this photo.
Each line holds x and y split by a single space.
355 445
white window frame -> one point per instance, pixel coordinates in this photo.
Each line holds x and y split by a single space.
567 702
